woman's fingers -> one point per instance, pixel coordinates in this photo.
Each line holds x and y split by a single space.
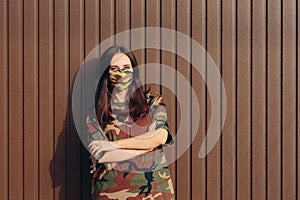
93 150
93 143
98 146
98 152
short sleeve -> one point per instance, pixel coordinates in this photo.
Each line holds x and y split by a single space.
158 115
94 133
94 130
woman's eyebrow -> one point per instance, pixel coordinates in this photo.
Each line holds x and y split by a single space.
118 65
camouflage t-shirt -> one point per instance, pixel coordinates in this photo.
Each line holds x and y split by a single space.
144 177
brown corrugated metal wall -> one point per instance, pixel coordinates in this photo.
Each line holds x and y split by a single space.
255 45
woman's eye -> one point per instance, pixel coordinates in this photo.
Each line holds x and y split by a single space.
114 69
127 67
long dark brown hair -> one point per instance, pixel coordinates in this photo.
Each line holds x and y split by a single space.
137 101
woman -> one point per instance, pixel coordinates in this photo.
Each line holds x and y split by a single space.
126 152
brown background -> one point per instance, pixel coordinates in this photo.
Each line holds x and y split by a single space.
255 45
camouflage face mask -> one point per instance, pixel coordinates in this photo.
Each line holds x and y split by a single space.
122 78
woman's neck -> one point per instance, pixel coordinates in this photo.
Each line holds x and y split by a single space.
120 95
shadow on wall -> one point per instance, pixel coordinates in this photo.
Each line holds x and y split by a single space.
70 165
69 168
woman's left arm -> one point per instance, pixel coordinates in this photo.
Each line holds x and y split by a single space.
145 141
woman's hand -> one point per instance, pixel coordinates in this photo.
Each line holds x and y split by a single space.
98 146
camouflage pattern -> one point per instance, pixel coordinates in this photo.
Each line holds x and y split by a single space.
144 177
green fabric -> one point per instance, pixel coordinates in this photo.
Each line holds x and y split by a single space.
146 175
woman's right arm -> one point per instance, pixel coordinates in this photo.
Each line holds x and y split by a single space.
119 155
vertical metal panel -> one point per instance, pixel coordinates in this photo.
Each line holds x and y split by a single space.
168 11
273 101
31 179
91 40
153 55
107 16
255 45
122 21
168 14
137 20
198 83
61 88
183 24
198 166
243 100
4 100
75 161
288 100
15 105
229 69
258 95
46 100
91 25
214 50
298 97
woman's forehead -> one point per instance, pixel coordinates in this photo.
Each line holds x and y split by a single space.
120 59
